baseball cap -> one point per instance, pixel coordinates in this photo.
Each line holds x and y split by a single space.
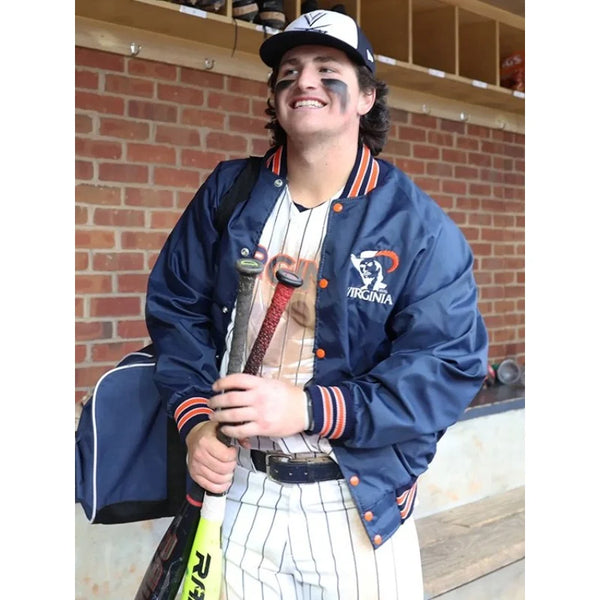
320 28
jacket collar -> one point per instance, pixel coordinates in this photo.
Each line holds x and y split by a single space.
363 177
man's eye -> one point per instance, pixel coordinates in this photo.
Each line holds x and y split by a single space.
289 72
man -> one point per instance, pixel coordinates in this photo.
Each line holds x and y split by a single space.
380 350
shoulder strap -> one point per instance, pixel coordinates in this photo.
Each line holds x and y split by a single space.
238 192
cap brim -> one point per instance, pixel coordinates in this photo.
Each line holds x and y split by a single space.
273 48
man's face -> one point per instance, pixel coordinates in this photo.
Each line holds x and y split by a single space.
317 93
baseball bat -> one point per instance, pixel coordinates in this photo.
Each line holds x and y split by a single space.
204 572
165 571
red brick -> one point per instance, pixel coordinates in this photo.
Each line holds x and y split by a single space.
481 249
413 134
440 139
119 217
97 148
81 215
124 129
86 79
129 86
225 142
94 330
151 69
200 159
247 87
100 103
397 148
451 186
148 197
427 152
176 178
465 172
455 156
480 219
105 61
427 184
479 159
130 283
83 123
142 240
478 130
84 169
459 217
247 125
454 126
94 238
118 261
409 166
478 189
177 136
467 143
151 153
82 261
439 169
202 79
80 353
123 172
97 194
132 329
153 111
164 219
421 120
398 115
93 284
114 351
79 307
181 95
199 117
115 306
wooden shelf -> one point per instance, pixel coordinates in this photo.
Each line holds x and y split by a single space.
449 51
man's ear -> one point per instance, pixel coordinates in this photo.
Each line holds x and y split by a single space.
366 101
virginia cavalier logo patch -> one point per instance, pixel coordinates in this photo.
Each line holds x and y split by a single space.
373 266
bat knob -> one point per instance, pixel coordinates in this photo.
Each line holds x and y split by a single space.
248 266
289 278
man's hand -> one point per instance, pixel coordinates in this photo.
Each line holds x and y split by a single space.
210 462
257 406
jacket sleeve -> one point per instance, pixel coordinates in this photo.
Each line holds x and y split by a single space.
436 363
178 310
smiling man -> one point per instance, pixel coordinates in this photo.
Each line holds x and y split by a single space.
378 353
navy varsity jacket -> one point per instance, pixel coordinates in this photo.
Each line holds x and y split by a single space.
400 346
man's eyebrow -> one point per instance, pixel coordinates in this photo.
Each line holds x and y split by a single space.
321 58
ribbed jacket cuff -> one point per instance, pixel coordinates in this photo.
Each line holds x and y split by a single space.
332 411
191 412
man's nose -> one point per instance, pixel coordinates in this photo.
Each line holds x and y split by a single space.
308 78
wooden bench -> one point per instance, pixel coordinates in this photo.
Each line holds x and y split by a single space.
475 550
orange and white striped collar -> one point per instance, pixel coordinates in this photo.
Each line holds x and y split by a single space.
363 177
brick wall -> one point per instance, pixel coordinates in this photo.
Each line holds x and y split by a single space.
148 134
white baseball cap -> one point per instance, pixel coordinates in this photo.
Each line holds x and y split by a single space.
320 28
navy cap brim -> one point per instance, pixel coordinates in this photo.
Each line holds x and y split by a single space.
273 48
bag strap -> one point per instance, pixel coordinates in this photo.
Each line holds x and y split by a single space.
238 192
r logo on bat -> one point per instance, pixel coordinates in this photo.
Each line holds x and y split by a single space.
200 571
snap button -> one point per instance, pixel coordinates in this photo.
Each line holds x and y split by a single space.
245 252
320 353
368 516
323 283
354 480
278 183
225 310
377 539
338 207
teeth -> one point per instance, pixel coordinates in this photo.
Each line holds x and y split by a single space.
309 103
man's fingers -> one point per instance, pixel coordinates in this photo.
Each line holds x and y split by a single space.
241 381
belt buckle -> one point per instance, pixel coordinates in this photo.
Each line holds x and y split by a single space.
300 458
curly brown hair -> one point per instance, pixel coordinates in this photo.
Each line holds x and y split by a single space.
373 127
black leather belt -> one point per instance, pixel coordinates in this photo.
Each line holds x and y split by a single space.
297 468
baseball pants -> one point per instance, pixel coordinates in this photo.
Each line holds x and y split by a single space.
307 542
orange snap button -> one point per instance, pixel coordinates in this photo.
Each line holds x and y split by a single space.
377 539
338 207
354 480
323 283
368 516
320 353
